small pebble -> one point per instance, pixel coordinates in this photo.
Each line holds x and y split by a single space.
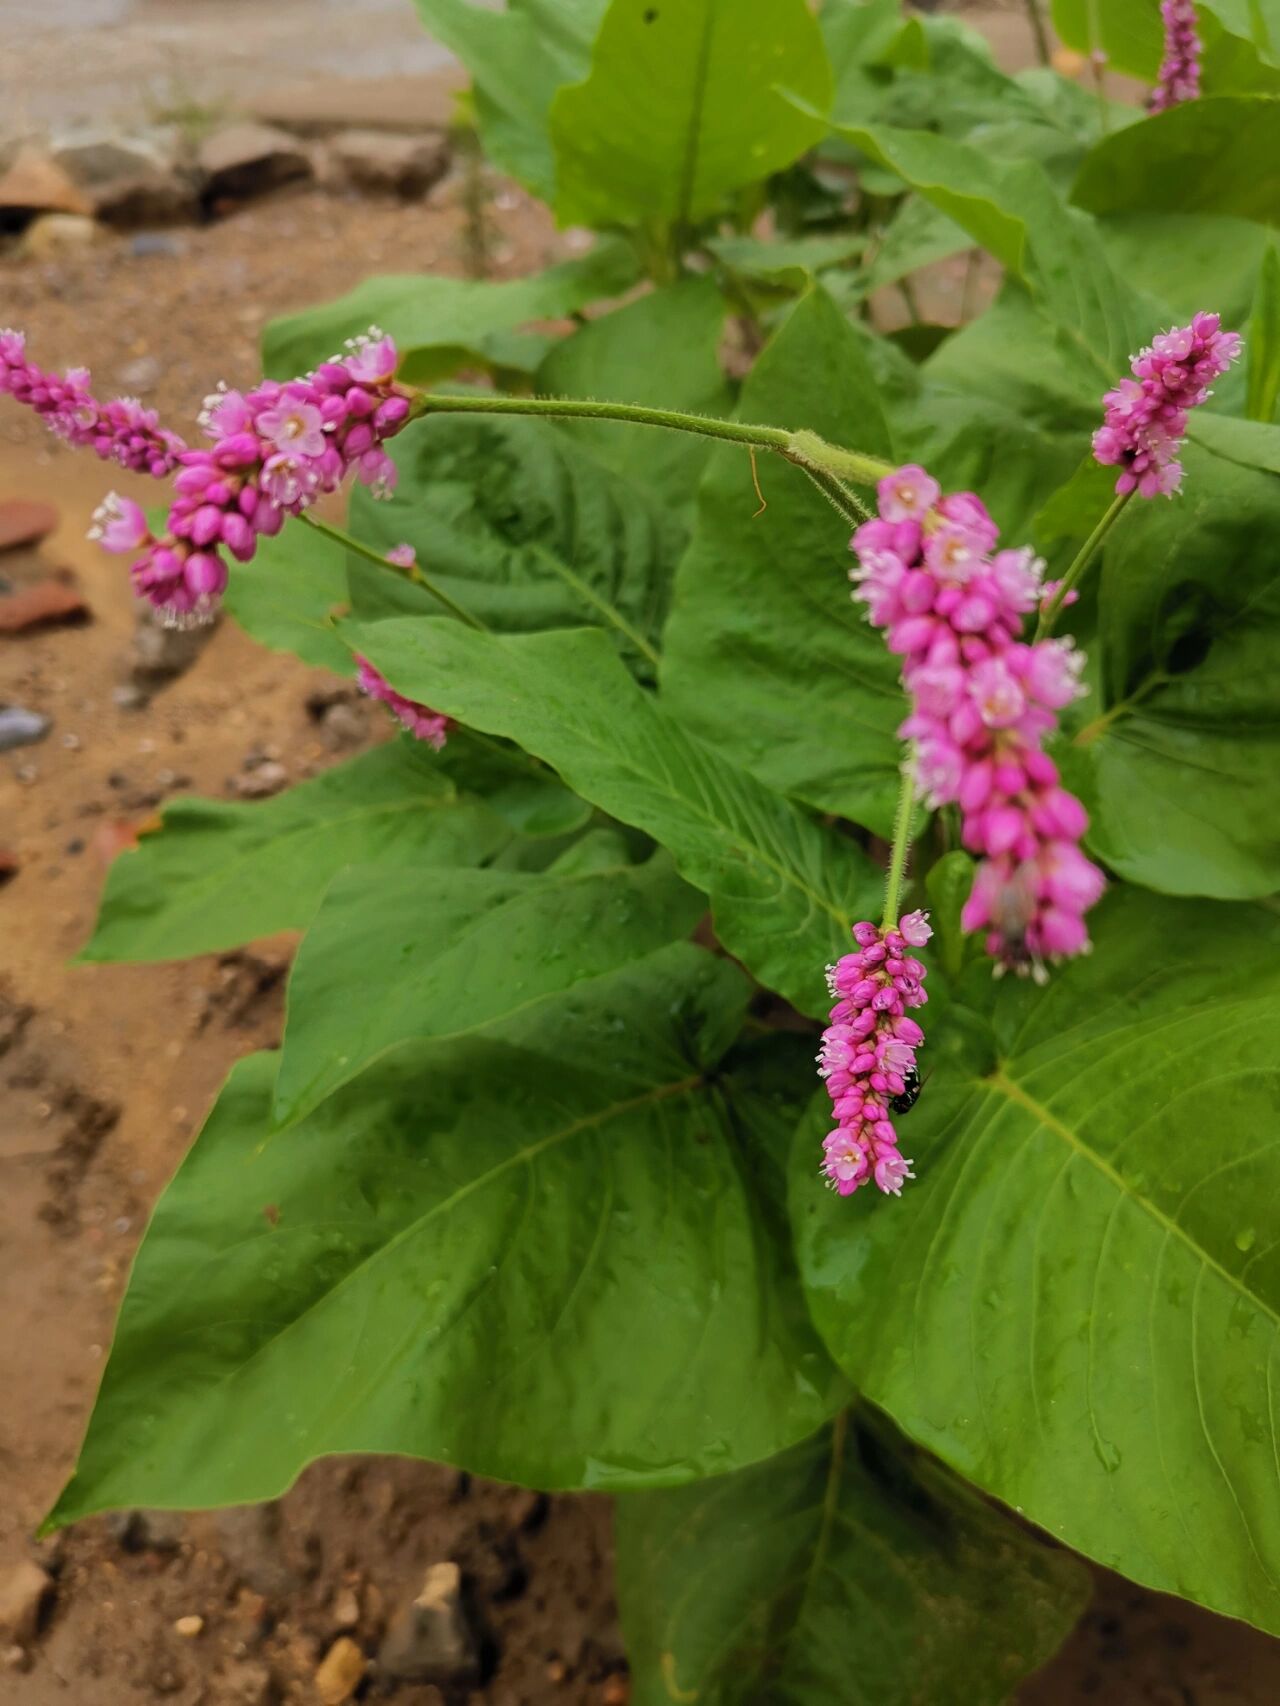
189 1627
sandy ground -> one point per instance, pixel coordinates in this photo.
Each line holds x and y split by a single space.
106 1071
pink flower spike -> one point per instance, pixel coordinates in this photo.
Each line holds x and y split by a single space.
119 525
294 427
372 359
1179 76
867 1052
421 721
983 699
908 494
1145 418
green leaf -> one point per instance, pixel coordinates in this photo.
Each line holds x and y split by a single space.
518 57
391 960
764 653
526 528
1184 260
441 324
1014 213
217 874
534 524
557 1256
1176 756
788 263
287 596
948 884
1076 1303
1262 342
851 1568
512 785
682 106
664 351
1199 157
784 892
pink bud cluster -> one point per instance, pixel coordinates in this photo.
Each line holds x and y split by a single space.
275 450
120 431
420 720
868 1053
982 702
1146 416
1179 75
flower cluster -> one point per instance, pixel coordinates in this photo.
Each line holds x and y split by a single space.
1179 76
982 702
1146 416
276 449
420 720
868 1054
120 431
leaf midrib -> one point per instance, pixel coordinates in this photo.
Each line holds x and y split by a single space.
1000 1082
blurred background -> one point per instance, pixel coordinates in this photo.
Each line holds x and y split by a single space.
174 173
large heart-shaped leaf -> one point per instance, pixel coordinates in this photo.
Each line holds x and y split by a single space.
216 873
392 959
764 652
558 1257
784 891
518 57
1177 755
441 324
1199 157
1077 1303
775 1586
682 106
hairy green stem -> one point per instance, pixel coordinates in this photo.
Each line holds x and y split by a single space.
838 495
1085 556
413 573
806 449
901 844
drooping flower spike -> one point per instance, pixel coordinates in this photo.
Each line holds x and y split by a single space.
1146 416
275 450
420 720
121 431
1179 76
868 1054
982 703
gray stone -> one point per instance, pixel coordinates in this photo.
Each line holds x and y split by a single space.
262 781
431 1639
24 1588
20 727
54 234
140 374
34 183
129 178
246 160
392 162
